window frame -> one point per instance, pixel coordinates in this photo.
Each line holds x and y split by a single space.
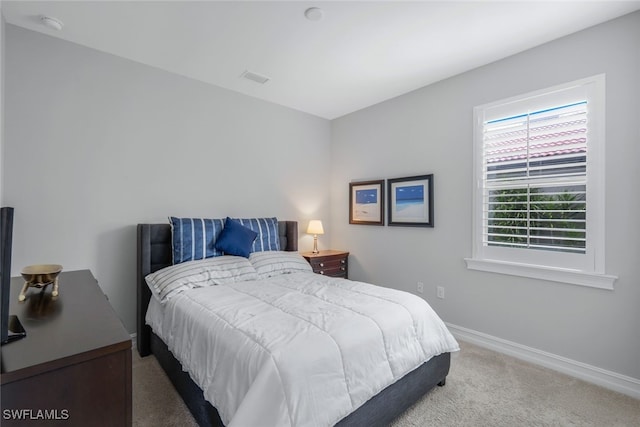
586 269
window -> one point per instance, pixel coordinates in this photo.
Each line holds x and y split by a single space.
539 185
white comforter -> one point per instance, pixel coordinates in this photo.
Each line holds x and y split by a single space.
298 349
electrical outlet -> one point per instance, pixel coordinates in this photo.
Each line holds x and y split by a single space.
440 292
420 287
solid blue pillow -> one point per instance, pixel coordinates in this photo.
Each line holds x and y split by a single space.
235 239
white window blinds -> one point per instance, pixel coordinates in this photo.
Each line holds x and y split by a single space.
539 181
535 179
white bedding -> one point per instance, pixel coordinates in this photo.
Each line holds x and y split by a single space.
297 349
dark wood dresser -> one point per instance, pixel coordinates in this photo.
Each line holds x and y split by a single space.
330 263
74 366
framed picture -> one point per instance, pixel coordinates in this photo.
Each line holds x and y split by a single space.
411 201
366 202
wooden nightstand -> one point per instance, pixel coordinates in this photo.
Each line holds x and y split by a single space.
329 262
74 363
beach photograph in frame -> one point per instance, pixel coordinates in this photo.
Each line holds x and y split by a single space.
366 202
411 201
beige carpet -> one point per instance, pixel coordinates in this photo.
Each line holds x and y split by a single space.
155 402
484 388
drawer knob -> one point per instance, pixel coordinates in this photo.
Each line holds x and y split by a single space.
321 272
343 261
322 264
342 268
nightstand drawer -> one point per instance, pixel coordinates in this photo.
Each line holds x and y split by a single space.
329 263
330 267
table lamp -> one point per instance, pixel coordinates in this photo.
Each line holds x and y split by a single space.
315 228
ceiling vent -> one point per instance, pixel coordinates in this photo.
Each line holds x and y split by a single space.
258 78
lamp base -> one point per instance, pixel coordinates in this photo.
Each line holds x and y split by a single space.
315 244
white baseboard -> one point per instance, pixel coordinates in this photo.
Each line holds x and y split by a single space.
134 340
608 379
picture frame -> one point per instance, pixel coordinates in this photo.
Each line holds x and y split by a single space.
366 202
411 201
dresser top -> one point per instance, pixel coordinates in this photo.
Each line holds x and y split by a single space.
77 326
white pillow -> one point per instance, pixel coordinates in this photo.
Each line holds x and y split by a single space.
273 263
169 281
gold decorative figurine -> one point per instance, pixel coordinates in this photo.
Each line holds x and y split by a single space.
40 276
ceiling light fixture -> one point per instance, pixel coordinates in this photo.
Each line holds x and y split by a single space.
313 14
53 23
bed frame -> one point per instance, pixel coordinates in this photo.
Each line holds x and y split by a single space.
154 253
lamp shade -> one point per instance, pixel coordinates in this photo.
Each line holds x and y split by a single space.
315 227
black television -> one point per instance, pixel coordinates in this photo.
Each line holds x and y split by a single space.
10 326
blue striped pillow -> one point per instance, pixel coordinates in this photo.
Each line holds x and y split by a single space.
267 229
194 238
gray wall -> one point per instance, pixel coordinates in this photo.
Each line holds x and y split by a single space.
96 144
430 131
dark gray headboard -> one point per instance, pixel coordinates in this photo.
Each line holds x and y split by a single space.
154 253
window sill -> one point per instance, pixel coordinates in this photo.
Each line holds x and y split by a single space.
574 277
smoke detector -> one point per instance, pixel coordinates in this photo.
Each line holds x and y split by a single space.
50 22
313 14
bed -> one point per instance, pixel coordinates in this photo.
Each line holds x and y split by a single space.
154 253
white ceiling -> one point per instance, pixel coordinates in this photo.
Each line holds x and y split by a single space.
359 54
